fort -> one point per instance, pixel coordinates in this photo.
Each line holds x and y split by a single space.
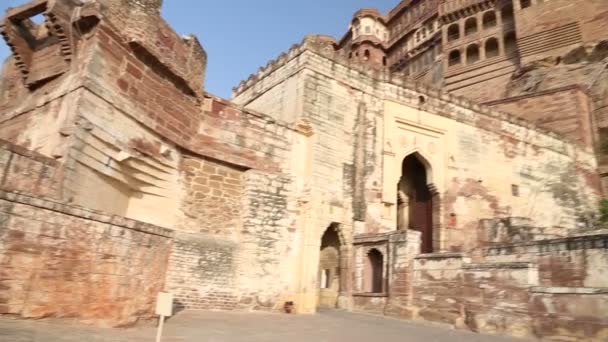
441 162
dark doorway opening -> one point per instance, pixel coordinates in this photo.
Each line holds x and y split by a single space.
374 274
415 202
329 268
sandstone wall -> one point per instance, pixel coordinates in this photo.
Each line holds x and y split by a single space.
69 262
544 289
203 273
26 171
563 110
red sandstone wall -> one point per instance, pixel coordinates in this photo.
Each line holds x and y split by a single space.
63 261
563 110
550 28
504 297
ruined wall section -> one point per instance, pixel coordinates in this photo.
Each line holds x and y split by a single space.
151 37
535 289
64 261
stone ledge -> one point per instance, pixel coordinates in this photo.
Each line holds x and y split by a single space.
441 256
592 241
371 295
84 213
497 265
22 151
371 238
569 290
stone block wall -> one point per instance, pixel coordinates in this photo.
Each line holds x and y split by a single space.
203 273
63 261
544 289
213 199
579 261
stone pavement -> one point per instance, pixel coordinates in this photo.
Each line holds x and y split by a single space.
252 327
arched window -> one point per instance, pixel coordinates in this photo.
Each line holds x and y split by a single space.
454 58
510 43
491 48
453 32
472 54
525 3
470 26
507 14
374 277
366 55
489 19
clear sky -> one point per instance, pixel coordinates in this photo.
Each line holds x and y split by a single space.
242 35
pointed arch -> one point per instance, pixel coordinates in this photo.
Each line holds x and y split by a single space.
425 160
419 203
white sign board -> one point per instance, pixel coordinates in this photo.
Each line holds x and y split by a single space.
164 304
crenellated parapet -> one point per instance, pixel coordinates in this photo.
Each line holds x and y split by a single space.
321 44
428 95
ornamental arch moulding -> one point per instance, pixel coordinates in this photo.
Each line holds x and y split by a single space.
411 131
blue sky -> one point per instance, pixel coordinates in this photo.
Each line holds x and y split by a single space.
242 35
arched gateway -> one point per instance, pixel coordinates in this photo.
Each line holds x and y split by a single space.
329 268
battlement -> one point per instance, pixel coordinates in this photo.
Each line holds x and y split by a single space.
325 46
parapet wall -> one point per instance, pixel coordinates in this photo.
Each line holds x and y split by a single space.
543 289
64 261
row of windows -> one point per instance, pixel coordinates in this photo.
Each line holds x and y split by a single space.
491 49
471 25
407 17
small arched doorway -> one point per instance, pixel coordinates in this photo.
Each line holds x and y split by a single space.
415 201
374 272
329 268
